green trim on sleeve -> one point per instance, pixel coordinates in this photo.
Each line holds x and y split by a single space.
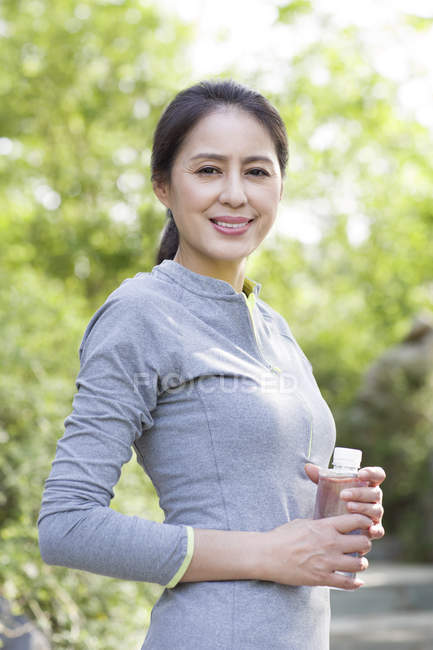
185 564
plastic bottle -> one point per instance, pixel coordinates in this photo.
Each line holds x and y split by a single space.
346 463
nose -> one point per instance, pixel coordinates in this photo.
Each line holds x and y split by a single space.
233 191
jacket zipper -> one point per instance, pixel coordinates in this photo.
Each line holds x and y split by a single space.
277 371
265 361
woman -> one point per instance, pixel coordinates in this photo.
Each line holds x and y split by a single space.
187 365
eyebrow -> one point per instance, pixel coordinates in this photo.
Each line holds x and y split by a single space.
217 156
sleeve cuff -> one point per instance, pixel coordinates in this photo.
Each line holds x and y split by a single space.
186 562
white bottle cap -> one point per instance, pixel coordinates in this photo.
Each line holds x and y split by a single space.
345 457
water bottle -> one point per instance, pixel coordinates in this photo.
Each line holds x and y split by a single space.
344 474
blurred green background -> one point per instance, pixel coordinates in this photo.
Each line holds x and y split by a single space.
349 264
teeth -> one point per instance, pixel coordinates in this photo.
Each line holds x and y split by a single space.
230 225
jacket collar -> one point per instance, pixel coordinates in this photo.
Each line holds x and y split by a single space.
202 284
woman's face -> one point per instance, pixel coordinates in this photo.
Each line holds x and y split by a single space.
224 189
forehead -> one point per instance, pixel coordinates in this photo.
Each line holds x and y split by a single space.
229 131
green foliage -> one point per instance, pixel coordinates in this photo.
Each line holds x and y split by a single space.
81 90
287 13
420 23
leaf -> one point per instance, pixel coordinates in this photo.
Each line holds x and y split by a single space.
420 23
289 12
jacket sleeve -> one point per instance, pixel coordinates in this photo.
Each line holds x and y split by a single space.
116 394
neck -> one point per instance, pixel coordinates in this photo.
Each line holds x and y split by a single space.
231 271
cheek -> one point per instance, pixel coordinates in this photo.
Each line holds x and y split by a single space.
266 224
267 201
195 194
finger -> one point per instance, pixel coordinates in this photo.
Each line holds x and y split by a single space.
376 532
363 494
352 564
355 544
345 582
312 471
348 523
374 475
372 510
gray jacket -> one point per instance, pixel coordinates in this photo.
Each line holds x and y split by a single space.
220 403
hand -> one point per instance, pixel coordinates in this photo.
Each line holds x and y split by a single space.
368 500
363 500
308 552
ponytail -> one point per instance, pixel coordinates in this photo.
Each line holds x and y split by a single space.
169 240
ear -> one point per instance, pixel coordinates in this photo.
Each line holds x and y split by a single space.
282 189
161 191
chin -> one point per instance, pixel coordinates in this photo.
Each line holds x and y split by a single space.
234 259
230 254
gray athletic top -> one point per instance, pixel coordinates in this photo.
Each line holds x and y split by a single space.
213 392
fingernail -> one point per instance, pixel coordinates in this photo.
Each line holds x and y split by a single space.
346 494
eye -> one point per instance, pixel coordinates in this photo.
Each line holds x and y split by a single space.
258 172
208 171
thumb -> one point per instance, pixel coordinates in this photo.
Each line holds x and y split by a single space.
312 471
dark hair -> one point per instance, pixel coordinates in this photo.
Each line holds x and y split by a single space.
182 114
